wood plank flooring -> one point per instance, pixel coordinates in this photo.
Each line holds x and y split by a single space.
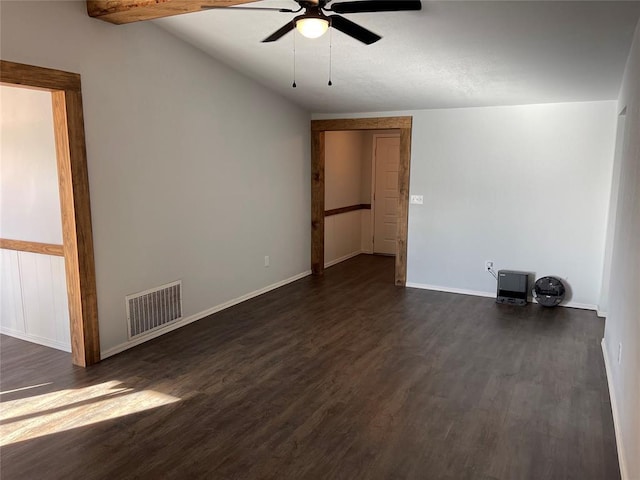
340 377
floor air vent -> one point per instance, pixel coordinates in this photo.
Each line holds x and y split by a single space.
153 309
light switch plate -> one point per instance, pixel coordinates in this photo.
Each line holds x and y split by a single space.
417 199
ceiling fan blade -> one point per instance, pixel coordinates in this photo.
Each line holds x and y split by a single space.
376 6
278 34
353 30
217 7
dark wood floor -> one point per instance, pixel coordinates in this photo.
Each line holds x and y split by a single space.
344 377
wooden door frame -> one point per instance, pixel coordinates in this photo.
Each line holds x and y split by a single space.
318 131
73 180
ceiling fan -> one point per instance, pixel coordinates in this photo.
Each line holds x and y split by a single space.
314 22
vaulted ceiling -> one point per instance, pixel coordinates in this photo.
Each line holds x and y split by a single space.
450 54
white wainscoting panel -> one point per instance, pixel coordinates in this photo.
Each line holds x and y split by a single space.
61 302
34 299
342 236
11 314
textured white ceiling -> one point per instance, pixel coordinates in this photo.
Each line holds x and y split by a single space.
451 54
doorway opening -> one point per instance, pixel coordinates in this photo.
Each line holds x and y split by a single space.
73 183
397 234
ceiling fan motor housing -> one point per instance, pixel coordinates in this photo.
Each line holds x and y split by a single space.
311 3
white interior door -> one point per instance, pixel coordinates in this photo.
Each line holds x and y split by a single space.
385 200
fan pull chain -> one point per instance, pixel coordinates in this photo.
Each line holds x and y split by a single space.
330 53
294 60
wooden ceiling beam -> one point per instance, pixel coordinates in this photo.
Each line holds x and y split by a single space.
129 11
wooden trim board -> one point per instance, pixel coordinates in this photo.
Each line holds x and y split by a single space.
18 74
350 208
32 247
375 123
317 202
129 11
75 206
403 206
318 129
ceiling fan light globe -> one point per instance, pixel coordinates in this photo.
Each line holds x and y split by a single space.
312 27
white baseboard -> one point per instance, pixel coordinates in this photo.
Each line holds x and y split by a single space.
35 339
477 293
580 306
614 411
461 291
187 320
342 259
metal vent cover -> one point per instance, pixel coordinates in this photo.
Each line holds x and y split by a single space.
153 309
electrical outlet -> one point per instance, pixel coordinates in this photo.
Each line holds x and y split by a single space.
488 265
266 260
416 199
619 353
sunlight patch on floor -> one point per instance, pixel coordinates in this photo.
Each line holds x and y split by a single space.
26 388
54 412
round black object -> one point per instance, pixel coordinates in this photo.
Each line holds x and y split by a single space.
549 291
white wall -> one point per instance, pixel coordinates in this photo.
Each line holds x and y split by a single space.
196 172
346 170
29 198
33 299
343 169
342 237
603 303
524 186
623 319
